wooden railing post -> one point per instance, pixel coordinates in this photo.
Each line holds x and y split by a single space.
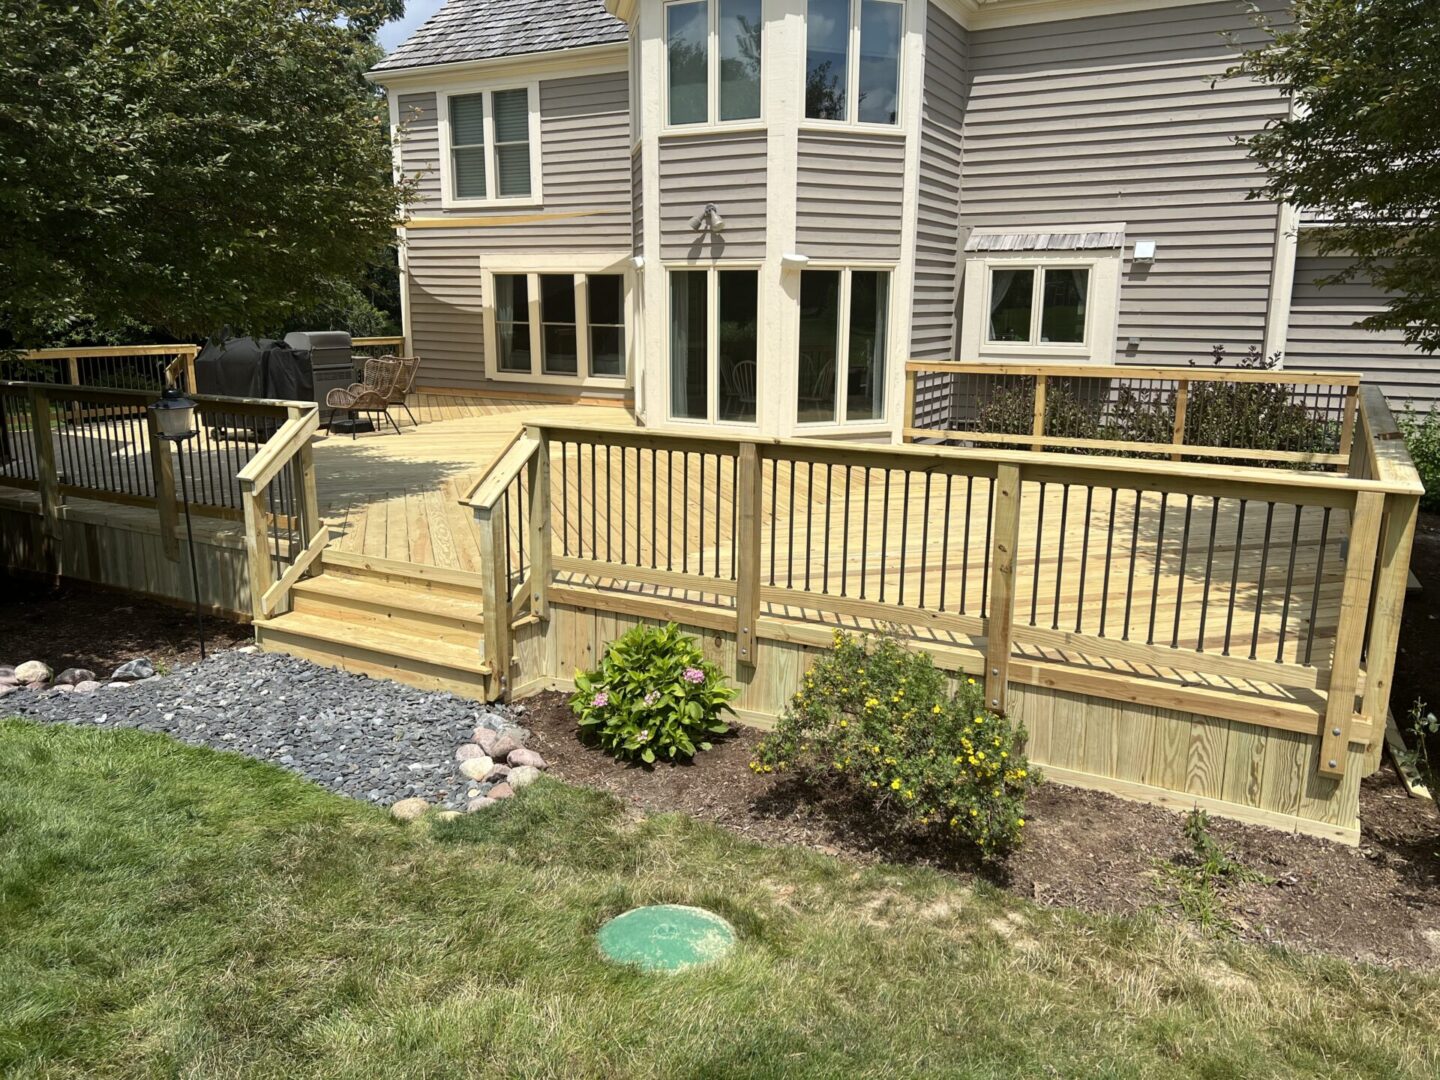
1397 535
257 547
162 469
1350 633
1182 402
539 525
1037 426
1001 614
1347 422
908 421
749 512
42 418
308 508
495 588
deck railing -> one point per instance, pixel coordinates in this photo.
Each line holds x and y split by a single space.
1247 593
118 367
363 347
67 442
283 533
1284 417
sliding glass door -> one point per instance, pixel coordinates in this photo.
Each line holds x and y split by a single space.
714 345
844 322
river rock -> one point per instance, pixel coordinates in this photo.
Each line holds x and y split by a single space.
526 757
409 809
469 750
501 791
134 670
479 803
33 671
476 768
89 686
498 773
73 676
503 748
486 738
523 776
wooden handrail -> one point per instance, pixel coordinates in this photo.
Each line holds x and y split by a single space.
110 350
375 342
1196 373
276 453
503 471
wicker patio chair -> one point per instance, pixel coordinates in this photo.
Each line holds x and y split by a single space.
371 396
409 365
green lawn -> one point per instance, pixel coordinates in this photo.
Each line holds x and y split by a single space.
171 911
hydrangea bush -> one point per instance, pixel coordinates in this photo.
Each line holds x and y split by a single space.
880 720
653 697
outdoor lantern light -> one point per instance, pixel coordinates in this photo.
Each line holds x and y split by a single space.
174 415
175 422
708 218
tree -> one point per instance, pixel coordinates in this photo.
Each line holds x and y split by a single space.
185 164
1363 144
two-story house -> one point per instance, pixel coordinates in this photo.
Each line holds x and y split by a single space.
746 214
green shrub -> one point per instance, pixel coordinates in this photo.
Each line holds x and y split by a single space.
654 696
1421 756
1422 439
879 719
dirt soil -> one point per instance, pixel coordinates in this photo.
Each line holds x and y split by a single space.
86 626
1085 849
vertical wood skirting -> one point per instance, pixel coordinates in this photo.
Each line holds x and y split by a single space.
1008 499
747 546
1350 634
540 528
162 469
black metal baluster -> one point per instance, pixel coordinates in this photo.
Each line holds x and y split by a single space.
1234 576
1155 578
885 537
1109 548
774 512
1209 566
865 534
1260 588
985 570
1315 592
1084 557
1289 584
965 549
845 538
1035 564
1180 581
1134 558
904 533
1059 556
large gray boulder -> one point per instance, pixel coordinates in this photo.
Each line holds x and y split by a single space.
134 670
34 671
73 676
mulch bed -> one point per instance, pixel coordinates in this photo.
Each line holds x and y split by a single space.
1417 660
1085 849
88 626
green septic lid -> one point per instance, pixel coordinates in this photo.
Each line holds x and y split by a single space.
666 937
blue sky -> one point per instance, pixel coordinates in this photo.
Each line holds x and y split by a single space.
416 12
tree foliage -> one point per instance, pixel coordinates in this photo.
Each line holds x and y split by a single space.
184 164
1363 144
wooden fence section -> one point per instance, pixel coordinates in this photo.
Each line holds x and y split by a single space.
119 367
1248 414
1160 625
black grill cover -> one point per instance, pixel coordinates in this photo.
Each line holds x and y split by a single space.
254 368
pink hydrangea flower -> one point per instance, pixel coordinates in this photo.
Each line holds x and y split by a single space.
694 675
600 700
652 697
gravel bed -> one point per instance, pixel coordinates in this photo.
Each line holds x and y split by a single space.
369 739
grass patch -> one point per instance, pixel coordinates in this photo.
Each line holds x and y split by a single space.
170 910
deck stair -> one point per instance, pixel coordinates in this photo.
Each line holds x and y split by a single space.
420 625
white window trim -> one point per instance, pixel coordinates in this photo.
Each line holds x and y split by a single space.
712 121
852 78
447 168
1101 308
842 423
580 266
712 270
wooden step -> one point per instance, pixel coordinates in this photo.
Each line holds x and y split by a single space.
379 602
415 576
378 651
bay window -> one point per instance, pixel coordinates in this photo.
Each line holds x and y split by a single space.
714 331
712 61
844 316
852 60
557 326
490 152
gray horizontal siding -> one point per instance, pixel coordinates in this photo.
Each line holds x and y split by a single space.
728 170
1323 335
849 192
1120 118
584 165
447 324
942 120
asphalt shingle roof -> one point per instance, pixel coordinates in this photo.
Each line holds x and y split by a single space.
486 29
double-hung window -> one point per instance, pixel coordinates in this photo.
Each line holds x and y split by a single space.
852 60
564 326
712 61
714 329
492 154
1037 305
844 319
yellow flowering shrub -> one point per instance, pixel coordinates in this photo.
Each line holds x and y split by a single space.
881 719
